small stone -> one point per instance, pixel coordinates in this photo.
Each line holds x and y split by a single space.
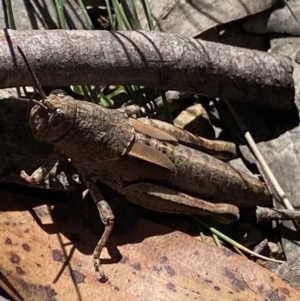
273 247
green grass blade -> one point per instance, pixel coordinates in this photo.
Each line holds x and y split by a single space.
149 15
130 92
85 13
106 102
85 92
234 243
11 19
77 89
167 113
116 92
88 93
202 236
135 16
239 251
216 240
110 17
291 11
92 94
123 22
59 7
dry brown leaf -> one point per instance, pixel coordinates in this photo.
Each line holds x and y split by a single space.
283 20
191 18
40 262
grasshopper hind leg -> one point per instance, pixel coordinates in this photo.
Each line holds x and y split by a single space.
107 218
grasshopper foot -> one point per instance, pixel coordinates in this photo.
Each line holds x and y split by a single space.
102 277
97 252
107 218
36 178
40 173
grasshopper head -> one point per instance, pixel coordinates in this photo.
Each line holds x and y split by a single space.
54 119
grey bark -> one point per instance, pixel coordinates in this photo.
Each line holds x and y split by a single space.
151 59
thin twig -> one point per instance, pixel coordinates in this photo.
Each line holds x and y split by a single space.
262 161
267 214
259 247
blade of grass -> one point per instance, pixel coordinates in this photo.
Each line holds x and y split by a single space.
202 235
216 240
142 100
77 89
130 92
239 251
121 16
106 102
201 230
116 92
291 11
234 243
59 7
134 13
92 94
110 17
85 13
11 19
167 113
149 15
128 13
85 92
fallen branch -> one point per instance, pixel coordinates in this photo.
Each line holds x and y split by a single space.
151 59
264 214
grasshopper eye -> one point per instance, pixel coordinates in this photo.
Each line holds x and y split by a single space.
56 118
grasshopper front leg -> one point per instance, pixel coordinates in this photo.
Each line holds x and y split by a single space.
105 212
107 217
41 172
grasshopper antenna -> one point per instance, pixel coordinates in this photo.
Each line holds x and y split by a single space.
38 85
35 79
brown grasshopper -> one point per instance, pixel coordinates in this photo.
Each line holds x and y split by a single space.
153 164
